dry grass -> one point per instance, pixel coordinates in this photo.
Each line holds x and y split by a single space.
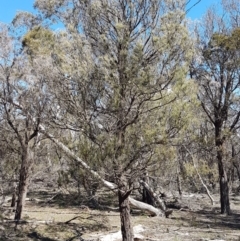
70 222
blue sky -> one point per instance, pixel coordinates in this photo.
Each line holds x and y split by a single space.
198 10
8 8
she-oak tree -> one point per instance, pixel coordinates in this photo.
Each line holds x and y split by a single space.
119 63
115 69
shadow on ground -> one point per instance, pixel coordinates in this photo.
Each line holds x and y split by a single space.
212 219
99 202
36 236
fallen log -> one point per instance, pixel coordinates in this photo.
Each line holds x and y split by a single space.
27 221
137 204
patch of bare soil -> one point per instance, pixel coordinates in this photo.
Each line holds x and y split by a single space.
64 219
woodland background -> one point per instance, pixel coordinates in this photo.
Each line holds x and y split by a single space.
130 96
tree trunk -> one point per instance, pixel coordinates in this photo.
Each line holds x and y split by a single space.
231 172
13 201
223 180
224 190
125 216
237 166
179 184
231 175
157 199
23 184
146 197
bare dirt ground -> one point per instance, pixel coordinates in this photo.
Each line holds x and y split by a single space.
70 219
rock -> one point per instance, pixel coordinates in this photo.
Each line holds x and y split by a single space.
117 236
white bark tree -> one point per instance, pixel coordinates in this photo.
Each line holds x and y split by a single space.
22 102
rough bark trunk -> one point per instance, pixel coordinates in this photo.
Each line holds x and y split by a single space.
236 165
158 200
13 201
23 184
231 173
223 180
125 216
179 183
14 190
224 190
146 197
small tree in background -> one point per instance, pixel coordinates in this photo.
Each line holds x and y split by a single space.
218 77
22 102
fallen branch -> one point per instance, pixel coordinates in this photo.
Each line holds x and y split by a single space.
70 220
137 204
27 221
199 176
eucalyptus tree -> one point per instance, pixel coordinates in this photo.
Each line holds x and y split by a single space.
23 101
217 74
9 164
119 62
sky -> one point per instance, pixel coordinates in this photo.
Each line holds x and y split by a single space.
8 8
198 11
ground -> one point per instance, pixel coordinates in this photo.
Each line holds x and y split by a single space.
67 218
